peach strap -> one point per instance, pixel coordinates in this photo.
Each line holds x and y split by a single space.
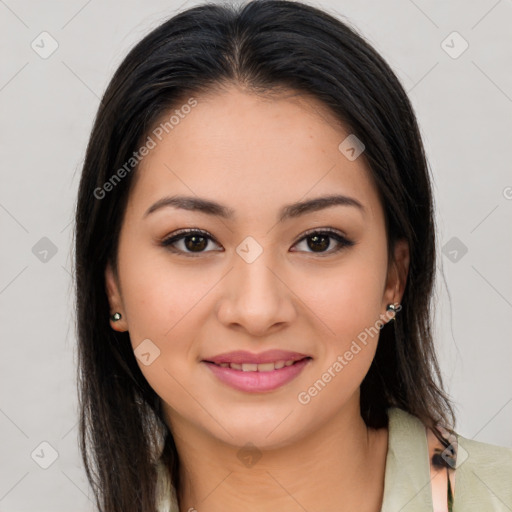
442 462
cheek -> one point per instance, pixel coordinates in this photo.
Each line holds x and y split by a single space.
164 309
159 297
348 305
168 304
162 321
347 298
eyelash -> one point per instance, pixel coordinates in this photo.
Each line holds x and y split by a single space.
342 241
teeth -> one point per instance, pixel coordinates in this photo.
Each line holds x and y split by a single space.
253 367
266 367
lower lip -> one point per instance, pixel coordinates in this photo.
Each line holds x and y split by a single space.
257 382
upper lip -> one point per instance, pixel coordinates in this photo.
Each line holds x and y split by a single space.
269 356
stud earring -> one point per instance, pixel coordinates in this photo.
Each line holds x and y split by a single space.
392 307
115 317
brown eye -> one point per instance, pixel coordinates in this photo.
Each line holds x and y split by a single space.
320 241
195 243
191 241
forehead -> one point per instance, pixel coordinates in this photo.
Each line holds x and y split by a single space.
252 151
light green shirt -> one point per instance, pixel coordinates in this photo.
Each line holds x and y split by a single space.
483 473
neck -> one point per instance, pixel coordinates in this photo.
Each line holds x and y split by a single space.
340 466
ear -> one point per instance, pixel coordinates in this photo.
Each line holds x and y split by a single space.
398 270
114 298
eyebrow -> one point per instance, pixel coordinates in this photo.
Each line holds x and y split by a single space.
289 211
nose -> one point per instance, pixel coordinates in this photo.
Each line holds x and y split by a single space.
257 297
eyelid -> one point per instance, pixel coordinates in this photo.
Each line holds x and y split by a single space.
193 231
182 233
341 239
320 230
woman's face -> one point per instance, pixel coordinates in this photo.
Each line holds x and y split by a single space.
260 275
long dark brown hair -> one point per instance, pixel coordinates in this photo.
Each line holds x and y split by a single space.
263 46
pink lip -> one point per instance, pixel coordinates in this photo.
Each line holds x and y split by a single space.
269 356
256 382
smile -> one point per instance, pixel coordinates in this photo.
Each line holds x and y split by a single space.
262 367
261 377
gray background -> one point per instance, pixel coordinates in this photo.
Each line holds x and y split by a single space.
464 105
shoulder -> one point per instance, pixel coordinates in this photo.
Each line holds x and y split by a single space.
483 476
477 475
